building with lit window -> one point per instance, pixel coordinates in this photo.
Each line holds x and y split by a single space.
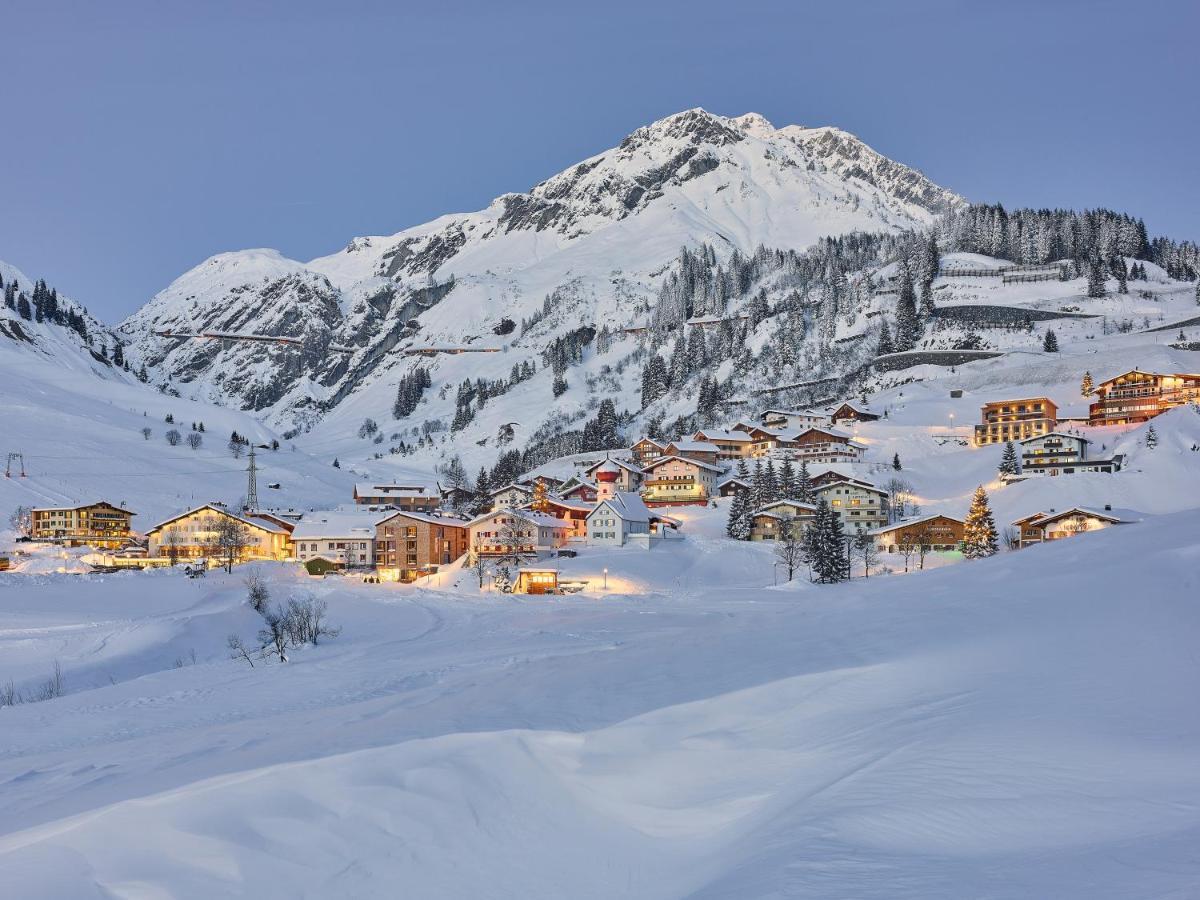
93 525
862 506
1015 420
411 544
1136 396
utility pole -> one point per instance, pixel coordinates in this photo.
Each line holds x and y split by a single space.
252 483
19 459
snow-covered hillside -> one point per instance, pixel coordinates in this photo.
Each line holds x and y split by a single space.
1010 728
597 237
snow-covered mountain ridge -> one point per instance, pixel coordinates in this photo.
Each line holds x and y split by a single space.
600 234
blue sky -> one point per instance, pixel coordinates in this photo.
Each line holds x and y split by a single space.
142 137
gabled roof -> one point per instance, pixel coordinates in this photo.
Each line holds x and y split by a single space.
789 503
625 505
686 446
431 518
336 525
852 482
857 407
691 462
721 434
84 506
252 521
744 482
512 485
367 489
574 505
649 440
617 461
1046 518
1038 437
811 413
911 521
533 518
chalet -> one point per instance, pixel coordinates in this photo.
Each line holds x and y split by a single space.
194 535
729 444
1052 526
733 484
511 495
1136 396
793 419
98 524
1059 453
517 531
861 505
819 445
1015 420
935 532
674 480
573 512
345 539
851 412
619 474
762 440
409 545
768 523
646 450
409 497
621 519
579 490
822 475
458 497
699 450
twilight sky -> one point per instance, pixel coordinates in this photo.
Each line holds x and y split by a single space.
142 137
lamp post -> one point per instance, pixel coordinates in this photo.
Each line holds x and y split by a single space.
606 578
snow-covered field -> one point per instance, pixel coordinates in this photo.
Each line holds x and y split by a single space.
1015 727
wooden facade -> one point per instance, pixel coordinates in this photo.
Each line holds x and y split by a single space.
1137 396
935 532
98 524
409 545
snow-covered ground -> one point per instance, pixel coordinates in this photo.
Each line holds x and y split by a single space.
1016 727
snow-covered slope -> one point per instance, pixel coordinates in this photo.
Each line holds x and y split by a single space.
597 236
1010 728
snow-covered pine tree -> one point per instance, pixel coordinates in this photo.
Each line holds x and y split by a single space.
770 482
1009 465
738 525
885 345
1086 386
979 529
758 495
804 486
1151 438
908 323
787 480
896 462
1095 277
1121 273
1050 342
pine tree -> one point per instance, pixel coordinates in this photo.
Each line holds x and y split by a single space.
1086 387
979 530
23 307
896 462
886 346
1050 342
787 480
770 482
1095 278
1009 464
738 525
1121 274
804 485
336 464
1151 438
758 494
908 324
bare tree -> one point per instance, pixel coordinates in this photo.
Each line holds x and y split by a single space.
899 493
236 448
275 635
305 620
479 562
514 534
256 591
237 649
170 545
232 540
906 543
924 543
53 686
865 550
1012 539
789 549
21 520
146 432
173 437
195 439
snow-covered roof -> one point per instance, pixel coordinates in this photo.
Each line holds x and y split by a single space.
791 504
253 521
512 486
336 525
432 518
808 413
1039 437
731 478
691 462
694 446
366 489
842 481
83 506
541 520
912 520
626 505
1115 516
616 461
721 434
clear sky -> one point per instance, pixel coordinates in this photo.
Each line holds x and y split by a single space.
142 137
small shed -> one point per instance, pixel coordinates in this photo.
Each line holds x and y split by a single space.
531 580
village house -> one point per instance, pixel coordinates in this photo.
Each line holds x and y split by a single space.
347 540
729 444
409 545
98 524
194 535
1052 526
1015 420
862 506
579 490
822 475
511 495
851 412
620 519
768 523
698 450
934 532
535 580
674 480
1059 453
618 474
505 532
1136 396
409 497
457 498
733 484
573 512
793 419
762 440
646 450
819 445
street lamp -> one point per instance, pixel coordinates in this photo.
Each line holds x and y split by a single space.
606 578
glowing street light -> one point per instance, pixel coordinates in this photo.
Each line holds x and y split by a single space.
606 578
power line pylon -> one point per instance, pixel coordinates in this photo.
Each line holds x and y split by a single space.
252 483
19 459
